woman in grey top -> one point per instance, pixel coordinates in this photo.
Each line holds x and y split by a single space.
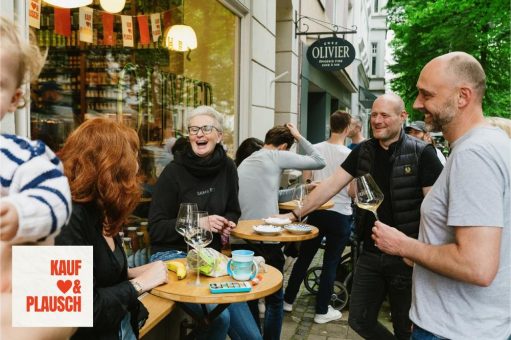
259 179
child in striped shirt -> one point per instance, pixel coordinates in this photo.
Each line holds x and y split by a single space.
35 200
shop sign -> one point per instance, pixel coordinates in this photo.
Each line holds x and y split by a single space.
331 54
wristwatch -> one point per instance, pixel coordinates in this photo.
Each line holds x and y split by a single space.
138 287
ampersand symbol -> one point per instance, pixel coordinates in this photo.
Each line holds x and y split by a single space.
77 287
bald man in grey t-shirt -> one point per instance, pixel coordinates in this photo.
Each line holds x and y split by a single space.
462 273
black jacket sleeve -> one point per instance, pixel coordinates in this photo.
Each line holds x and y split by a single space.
163 211
110 302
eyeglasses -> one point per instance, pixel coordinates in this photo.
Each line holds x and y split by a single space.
206 129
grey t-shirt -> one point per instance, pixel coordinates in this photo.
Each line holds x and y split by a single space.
473 190
259 178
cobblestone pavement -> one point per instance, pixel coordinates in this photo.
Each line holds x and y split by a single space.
299 324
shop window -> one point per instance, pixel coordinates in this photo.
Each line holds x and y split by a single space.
148 87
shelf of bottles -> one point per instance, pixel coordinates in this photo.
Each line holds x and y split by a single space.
132 85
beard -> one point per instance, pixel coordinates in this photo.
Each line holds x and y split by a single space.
442 117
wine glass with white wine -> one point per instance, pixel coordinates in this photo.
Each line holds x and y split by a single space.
368 194
299 194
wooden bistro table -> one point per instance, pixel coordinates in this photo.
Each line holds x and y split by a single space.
291 205
245 230
184 291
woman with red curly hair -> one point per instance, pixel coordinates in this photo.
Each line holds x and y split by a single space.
100 161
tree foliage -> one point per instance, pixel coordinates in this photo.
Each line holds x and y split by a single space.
425 29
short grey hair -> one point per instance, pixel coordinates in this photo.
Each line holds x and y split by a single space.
206 111
358 121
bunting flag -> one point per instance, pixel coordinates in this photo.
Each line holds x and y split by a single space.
62 24
166 20
85 18
155 26
127 31
62 21
108 28
34 13
143 29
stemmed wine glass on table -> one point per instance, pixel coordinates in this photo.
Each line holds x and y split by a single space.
368 194
185 217
199 236
299 194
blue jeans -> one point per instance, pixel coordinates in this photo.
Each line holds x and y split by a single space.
376 275
274 314
336 228
236 321
125 330
422 334
167 255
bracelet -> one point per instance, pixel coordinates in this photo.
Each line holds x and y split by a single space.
138 287
295 215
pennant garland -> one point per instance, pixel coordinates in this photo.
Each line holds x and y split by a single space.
62 21
34 13
127 31
86 16
143 28
62 24
108 28
156 26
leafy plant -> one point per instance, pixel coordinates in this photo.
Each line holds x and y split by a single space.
426 29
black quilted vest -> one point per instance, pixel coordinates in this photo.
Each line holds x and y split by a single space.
405 188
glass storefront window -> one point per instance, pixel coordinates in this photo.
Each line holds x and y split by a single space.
148 87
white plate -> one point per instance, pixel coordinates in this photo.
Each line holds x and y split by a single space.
277 221
298 229
267 229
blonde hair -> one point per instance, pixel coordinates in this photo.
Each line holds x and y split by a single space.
30 58
502 123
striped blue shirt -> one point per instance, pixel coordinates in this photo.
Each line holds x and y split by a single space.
32 179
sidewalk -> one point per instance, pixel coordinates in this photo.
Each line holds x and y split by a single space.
299 324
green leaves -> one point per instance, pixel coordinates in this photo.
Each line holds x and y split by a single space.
426 29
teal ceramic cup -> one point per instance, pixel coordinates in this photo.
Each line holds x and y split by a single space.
242 266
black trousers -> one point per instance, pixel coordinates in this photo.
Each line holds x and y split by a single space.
376 276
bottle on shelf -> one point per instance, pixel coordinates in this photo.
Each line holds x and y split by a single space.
141 254
128 249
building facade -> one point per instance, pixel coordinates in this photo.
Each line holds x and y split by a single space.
249 64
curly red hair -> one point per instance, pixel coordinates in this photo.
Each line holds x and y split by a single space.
101 162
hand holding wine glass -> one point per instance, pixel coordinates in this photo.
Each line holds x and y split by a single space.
299 195
368 194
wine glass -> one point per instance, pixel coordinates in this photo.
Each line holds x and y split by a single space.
199 236
368 194
185 217
299 194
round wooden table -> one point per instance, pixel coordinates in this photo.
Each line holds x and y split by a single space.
185 291
291 205
244 230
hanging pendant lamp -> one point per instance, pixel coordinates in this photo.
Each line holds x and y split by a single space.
181 38
68 3
112 6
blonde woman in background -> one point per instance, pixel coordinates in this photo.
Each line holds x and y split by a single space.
502 123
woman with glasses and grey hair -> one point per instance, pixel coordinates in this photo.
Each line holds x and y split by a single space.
201 173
